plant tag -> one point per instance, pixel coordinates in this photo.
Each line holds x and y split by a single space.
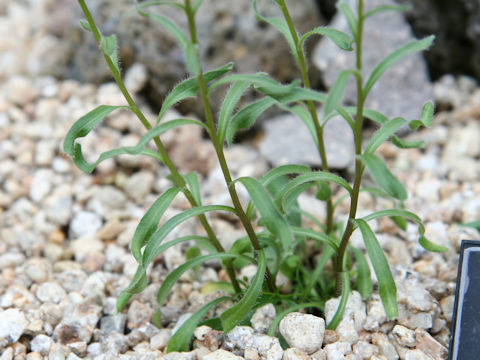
466 314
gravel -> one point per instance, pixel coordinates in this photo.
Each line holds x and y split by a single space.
65 236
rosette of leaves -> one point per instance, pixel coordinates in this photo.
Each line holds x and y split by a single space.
277 243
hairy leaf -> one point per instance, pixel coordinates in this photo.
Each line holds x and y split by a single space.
335 93
342 40
350 16
85 25
383 176
149 222
386 284
108 45
189 88
384 8
385 132
404 144
232 316
427 116
342 304
180 340
397 55
247 117
272 218
229 103
194 186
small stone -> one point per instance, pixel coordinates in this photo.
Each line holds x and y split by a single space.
34 356
78 323
42 344
429 345
41 185
138 314
220 355
84 223
21 91
111 230
115 343
79 348
201 331
263 318
60 165
365 350
385 347
45 152
7 354
139 185
447 304
330 337
94 349
160 340
251 354
50 292
71 279
416 355
303 331
58 352
136 77
413 320
338 350
38 270
295 354
113 323
404 336
107 202
11 259
12 325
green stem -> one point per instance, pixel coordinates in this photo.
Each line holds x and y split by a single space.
219 149
178 179
359 168
302 63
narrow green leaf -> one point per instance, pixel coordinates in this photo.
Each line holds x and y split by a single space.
383 8
139 149
173 277
173 28
400 213
272 330
310 177
149 222
385 132
383 176
246 117
472 224
273 219
350 16
194 186
373 115
283 170
342 305
152 247
327 254
342 40
400 222
259 79
427 117
232 316
397 55
146 4
430 246
139 281
189 88
180 340
324 191
214 286
85 124
290 198
281 25
386 284
295 94
229 103
335 93
404 144
364 278
85 25
298 231
346 116
108 44
196 5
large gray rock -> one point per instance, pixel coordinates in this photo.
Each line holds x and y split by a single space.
404 88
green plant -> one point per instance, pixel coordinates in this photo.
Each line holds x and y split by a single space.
277 243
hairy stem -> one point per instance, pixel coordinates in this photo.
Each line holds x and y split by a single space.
178 179
359 168
219 149
302 63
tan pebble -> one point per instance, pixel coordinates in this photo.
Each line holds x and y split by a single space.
429 345
251 354
111 230
57 237
330 337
